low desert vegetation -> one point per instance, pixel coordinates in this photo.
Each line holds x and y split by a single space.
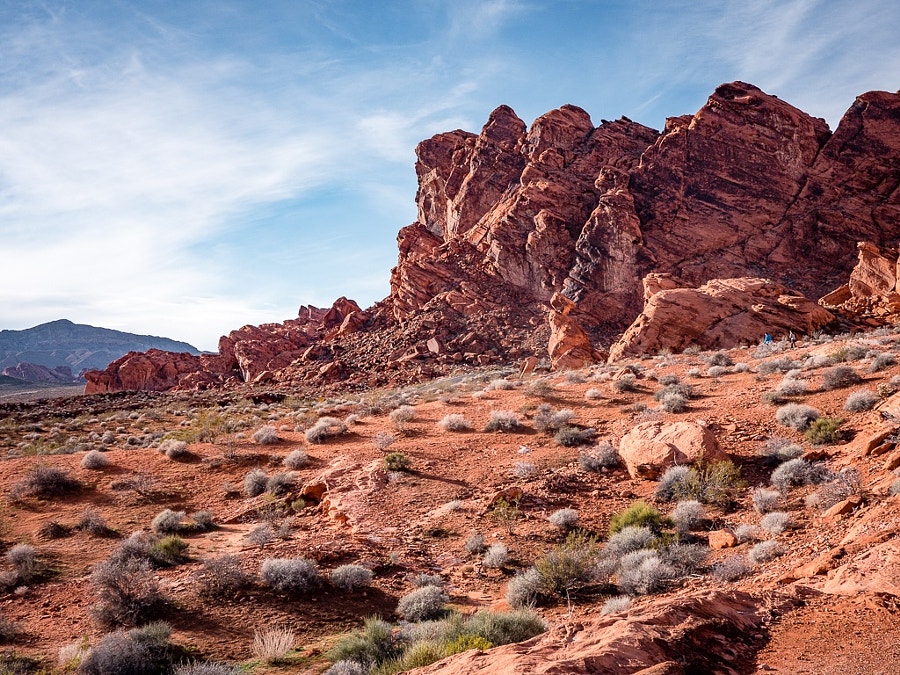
840 377
796 416
266 435
290 575
503 420
455 422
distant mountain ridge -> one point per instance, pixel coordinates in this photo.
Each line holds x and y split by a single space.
63 344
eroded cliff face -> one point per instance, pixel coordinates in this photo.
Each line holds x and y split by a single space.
749 186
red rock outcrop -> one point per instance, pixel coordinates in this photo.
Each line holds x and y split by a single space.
870 296
749 186
699 631
722 313
652 447
569 347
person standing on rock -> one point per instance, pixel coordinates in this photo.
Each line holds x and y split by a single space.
792 339
767 339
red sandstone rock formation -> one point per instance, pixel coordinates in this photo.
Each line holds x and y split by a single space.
652 447
569 346
721 313
747 186
870 296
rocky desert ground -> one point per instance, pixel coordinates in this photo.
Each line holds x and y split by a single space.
739 567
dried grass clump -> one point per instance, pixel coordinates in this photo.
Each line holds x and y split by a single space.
616 605
766 501
626 383
778 449
475 544
688 515
222 576
127 592
402 416
565 519
797 472
777 522
168 521
881 362
495 556
732 569
44 481
273 644
765 551
547 419
255 482
845 484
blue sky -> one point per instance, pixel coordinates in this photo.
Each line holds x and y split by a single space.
185 168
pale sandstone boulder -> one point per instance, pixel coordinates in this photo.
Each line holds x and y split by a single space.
651 447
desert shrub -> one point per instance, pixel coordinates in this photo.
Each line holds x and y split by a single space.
272 645
627 382
422 604
825 431
383 440
396 461
671 482
168 521
564 519
374 644
666 380
732 568
745 532
475 544
716 371
881 362
350 577
203 521
602 456
255 482
500 384
265 435
628 539
616 605
797 472
524 590
642 572
347 667
766 501
140 651
92 522
639 514
593 394
848 353
673 402
168 550
778 449
424 579
776 522
710 483
455 422
206 668
290 575
570 437
401 416
44 481
280 483
324 428
297 459
861 401
764 551
506 513
503 628
8 630
94 460
539 388
694 372
25 562
790 386
796 416
503 420
127 592
53 529
173 449
221 576
495 556
741 367
839 377
782 364
843 485
547 419
688 515
719 358
261 534
524 469
685 558
568 565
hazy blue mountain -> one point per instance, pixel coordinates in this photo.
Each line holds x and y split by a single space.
78 346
